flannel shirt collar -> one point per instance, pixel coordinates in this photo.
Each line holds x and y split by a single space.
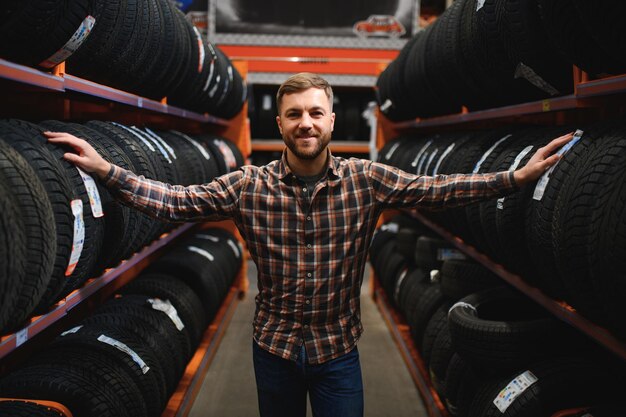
284 171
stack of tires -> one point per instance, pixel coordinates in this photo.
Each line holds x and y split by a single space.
128 357
487 53
143 47
488 349
61 227
563 233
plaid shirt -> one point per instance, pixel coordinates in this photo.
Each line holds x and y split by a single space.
310 246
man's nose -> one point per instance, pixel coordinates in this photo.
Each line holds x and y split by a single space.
306 122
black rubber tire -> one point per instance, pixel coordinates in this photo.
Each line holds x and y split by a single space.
430 252
570 33
602 20
426 305
178 346
154 344
438 322
33 31
562 383
27 409
440 358
80 390
187 304
459 278
88 337
460 386
31 250
498 330
105 367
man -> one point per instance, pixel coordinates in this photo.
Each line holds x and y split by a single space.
308 220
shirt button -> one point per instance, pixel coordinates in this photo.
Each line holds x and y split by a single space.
309 275
308 246
304 189
308 301
308 217
306 326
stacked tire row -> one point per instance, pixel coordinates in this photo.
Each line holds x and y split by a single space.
488 53
128 357
563 234
144 47
61 227
489 350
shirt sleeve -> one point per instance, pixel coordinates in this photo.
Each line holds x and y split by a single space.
218 199
395 188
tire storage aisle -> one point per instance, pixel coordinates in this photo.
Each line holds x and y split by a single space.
229 389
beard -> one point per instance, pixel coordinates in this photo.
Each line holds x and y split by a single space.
308 152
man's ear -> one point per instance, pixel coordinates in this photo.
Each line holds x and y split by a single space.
332 122
280 127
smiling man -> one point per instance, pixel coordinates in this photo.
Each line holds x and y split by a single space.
308 220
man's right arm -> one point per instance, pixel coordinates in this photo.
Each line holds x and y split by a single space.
215 200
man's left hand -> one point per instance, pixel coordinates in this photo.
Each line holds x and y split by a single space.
541 161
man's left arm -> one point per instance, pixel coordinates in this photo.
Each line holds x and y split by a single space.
399 189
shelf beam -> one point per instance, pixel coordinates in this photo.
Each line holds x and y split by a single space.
117 276
66 82
559 309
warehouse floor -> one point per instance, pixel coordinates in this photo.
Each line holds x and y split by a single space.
229 389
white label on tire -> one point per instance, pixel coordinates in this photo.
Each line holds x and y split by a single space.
229 156
197 145
72 45
526 72
489 152
72 330
479 4
420 153
92 191
513 390
234 248
444 254
202 252
430 160
167 308
396 291
208 237
122 347
442 157
513 167
137 135
21 337
163 143
542 184
391 151
155 142
201 52
390 227
79 236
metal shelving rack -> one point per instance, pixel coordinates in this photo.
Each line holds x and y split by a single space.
588 95
16 346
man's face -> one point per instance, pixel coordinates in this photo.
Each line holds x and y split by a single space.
306 122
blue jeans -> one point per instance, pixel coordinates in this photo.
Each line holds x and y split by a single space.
335 387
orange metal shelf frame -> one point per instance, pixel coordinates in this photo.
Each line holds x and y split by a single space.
111 280
402 336
321 60
587 94
559 309
61 82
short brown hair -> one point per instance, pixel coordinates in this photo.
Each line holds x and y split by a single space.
303 81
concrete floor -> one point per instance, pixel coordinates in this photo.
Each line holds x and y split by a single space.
229 389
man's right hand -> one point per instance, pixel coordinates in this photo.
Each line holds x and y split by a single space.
85 157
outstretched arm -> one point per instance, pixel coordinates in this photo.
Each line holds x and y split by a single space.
86 157
541 161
